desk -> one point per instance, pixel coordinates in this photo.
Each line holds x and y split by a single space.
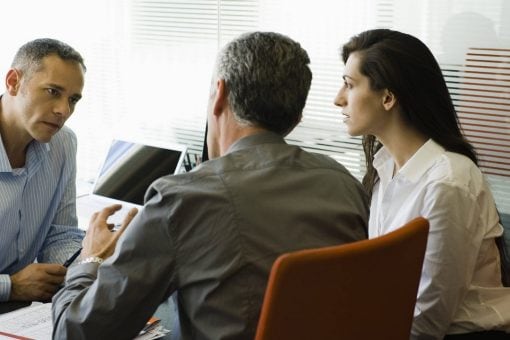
87 205
83 188
34 322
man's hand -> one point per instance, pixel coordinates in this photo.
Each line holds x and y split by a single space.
100 239
37 282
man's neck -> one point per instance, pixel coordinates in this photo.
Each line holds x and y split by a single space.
15 146
236 134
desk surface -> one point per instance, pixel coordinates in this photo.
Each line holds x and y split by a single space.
83 188
36 322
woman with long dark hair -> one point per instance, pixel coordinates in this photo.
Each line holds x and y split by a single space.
419 164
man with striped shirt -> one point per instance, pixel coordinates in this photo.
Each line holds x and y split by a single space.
38 224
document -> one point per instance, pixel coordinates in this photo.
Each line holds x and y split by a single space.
34 323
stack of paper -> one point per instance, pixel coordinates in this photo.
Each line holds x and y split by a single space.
34 323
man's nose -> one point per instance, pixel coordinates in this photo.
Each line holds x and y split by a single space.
63 108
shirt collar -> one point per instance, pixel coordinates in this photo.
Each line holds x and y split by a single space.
256 139
415 167
35 153
5 165
381 158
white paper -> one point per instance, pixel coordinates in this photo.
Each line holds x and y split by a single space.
33 322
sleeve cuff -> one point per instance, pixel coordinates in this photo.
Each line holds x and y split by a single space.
82 270
5 287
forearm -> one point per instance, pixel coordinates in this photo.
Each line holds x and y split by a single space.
110 306
115 299
67 323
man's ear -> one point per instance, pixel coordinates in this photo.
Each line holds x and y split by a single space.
389 100
13 81
220 98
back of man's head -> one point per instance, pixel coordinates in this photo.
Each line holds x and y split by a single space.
267 78
29 57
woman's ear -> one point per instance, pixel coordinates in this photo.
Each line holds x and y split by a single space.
389 100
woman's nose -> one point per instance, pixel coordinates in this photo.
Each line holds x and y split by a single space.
340 98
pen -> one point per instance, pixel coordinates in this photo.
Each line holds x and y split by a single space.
72 258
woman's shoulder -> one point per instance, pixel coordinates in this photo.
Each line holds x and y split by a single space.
456 170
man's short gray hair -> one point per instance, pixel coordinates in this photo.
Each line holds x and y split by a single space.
29 57
267 78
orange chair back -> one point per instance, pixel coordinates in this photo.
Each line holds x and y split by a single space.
361 290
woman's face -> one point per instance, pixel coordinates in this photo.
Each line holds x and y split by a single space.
362 107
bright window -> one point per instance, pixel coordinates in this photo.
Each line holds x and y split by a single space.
150 62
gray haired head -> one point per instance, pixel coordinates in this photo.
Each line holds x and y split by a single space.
267 78
29 56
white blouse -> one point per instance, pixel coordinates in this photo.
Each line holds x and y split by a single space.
460 289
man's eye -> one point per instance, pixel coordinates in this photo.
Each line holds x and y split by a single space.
52 91
73 100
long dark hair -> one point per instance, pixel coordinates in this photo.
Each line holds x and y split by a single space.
403 64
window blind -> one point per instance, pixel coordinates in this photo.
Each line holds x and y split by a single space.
471 41
480 89
180 39
150 64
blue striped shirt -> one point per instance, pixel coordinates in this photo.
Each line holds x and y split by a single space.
38 207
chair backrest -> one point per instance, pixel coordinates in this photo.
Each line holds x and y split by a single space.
361 290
